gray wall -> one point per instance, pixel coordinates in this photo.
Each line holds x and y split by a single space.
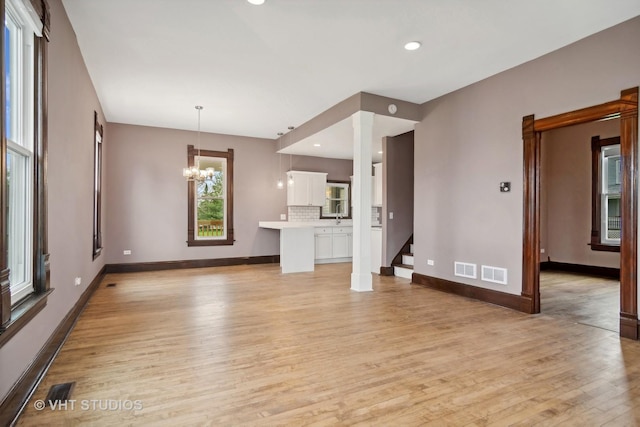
72 101
565 180
397 194
471 140
147 204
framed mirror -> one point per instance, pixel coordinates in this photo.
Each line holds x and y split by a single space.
337 200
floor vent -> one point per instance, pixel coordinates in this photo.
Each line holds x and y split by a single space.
111 285
464 269
494 274
60 392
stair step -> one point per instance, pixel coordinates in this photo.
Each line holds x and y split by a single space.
401 270
407 259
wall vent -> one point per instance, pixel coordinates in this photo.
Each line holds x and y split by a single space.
464 269
494 274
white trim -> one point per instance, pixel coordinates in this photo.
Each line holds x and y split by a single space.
225 220
20 144
28 15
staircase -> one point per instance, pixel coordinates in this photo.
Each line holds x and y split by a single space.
403 262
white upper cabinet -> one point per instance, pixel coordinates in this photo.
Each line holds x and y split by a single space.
306 188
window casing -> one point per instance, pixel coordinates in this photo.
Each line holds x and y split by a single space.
210 202
606 194
24 258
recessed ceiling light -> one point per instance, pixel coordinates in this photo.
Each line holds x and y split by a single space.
379 152
316 145
256 2
412 45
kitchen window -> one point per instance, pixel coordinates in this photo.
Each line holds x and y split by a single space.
337 200
210 210
606 194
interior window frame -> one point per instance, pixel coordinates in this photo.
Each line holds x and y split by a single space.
192 229
347 206
596 242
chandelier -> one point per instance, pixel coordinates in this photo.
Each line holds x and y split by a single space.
194 173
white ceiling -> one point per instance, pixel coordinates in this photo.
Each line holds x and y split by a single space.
259 69
337 141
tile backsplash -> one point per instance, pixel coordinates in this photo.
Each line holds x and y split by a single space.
375 214
312 213
304 213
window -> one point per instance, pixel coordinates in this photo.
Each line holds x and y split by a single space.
210 210
337 200
24 261
97 186
606 187
19 84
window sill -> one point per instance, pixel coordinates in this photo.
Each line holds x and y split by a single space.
212 242
22 314
604 248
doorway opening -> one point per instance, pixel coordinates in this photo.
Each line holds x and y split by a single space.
626 109
580 184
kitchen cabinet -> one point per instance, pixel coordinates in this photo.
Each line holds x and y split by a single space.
341 242
333 244
376 188
306 188
323 243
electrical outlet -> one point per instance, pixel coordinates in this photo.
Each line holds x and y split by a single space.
78 281
283 217
542 251
390 215
430 262
127 252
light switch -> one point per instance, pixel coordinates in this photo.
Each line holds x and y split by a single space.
390 215
283 217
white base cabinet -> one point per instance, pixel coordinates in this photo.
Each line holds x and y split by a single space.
333 244
323 246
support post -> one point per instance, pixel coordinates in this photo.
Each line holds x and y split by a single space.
361 279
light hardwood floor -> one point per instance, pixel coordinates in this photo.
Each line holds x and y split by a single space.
248 346
592 301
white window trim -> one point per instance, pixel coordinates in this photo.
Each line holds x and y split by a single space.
605 195
22 15
225 226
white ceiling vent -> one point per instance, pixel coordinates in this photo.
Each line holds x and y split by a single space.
464 269
494 274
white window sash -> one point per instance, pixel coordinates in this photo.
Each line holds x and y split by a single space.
24 23
225 227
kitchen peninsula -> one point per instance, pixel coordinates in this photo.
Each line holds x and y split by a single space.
303 244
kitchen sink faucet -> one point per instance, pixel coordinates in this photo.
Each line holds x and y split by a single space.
338 213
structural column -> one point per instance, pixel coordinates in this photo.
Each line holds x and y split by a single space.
361 278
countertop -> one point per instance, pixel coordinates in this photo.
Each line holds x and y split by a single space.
279 225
